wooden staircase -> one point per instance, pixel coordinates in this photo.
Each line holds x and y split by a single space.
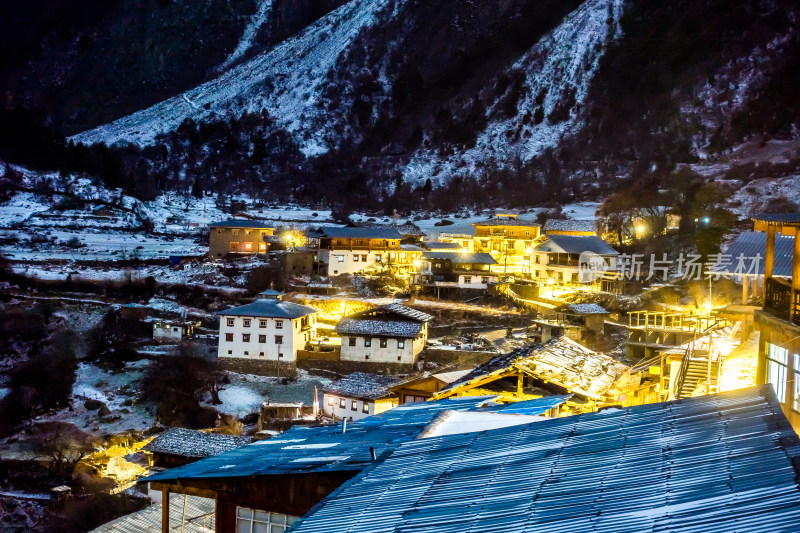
694 373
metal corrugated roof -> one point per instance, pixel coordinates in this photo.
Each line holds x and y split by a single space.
461 258
270 308
252 224
359 233
322 449
197 516
582 309
362 386
573 244
778 217
405 329
751 247
443 245
712 464
193 443
508 221
531 407
560 224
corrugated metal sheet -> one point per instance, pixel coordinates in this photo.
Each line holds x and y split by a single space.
573 244
198 517
752 247
713 464
322 449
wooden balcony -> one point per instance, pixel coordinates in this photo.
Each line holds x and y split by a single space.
778 301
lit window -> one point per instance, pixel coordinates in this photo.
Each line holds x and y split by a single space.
278 339
354 405
262 339
245 337
279 324
377 258
384 343
230 322
262 247
341 403
355 258
248 246
234 246
401 345
331 399
363 258
777 366
229 337
246 322
340 258
254 521
365 408
247 232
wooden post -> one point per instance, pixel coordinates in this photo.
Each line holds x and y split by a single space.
794 311
769 259
745 283
520 383
165 510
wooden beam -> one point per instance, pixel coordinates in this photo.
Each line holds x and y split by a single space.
520 383
165 510
769 259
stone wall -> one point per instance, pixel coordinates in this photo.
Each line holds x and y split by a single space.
348 367
257 367
463 358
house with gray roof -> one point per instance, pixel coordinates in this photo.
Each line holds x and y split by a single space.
394 334
559 226
181 446
269 330
358 396
557 258
461 270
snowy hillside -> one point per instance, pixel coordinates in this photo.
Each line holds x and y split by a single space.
286 81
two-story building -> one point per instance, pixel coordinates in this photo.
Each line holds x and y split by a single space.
556 258
269 329
358 396
354 250
508 239
391 333
238 237
457 270
779 320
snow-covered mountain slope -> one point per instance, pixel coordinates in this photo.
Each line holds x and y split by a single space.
247 39
285 81
557 70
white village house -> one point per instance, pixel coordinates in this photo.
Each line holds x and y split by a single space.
391 333
352 250
269 329
358 396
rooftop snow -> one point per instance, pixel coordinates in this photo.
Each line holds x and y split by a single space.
359 233
557 224
363 386
582 309
378 328
192 443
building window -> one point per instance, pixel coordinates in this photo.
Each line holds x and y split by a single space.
261 354
245 337
351 341
363 258
230 322
248 246
262 323
467 280
246 322
235 231
484 280
331 399
341 403
353 405
777 366
278 339
367 343
279 324
355 258
234 246
384 343
247 232
340 258
230 352
246 352
366 357
796 382
254 521
262 339
262 247
401 345
229 337
377 258
365 407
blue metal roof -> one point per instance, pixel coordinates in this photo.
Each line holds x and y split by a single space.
528 407
359 233
751 246
712 464
323 449
270 308
253 224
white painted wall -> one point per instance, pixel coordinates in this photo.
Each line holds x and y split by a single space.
349 265
293 338
331 406
390 354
